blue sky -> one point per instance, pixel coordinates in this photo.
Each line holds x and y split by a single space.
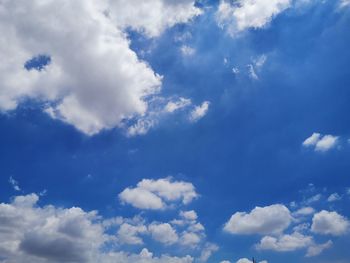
175 132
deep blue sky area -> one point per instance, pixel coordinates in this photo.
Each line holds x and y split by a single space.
247 151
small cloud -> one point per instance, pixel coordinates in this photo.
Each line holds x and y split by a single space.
235 70
199 111
187 50
14 184
173 106
334 197
321 143
313 199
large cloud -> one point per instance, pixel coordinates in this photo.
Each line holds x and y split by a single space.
245 14
33 234
157 194
94 81
261 220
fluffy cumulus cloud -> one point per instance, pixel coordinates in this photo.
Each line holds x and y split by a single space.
243 14
321 143
92 80
33 234
164 233
158 194
330 223
261 220
295 241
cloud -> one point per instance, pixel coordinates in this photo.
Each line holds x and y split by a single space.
245 14
316 249
261 220
175 105
92 80
245 260
321 143
199 111
33 234
344 3
14 184
129 234
329 223
157 194
163 232
304 211
187 50
208 250
189 215
334 197
293 242
285 242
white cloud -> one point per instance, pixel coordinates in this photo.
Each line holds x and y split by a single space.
329 223
141 127
293 242
321 143
14 184
175 105
245 260
225 261
208 250
156 194
199 111
304 211
163 232
317 249
334 197
189 215
344 3
152 17
285 242
187 50
94 81
190 239
313 199
245 14
129 234
261 220
33 234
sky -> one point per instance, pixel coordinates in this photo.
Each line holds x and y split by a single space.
166 131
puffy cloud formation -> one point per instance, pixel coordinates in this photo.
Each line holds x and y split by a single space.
245 14
92 79
285 242
304 211
293 242
157 194
163 232
199 111
321 143
329 223
261 220
33 234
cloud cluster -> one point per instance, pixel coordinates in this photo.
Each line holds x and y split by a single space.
158 194
244 14
33 234
273 221
321 143
92 80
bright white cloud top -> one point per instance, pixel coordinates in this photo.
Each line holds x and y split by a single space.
245 14
94 81
261 220
158 194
